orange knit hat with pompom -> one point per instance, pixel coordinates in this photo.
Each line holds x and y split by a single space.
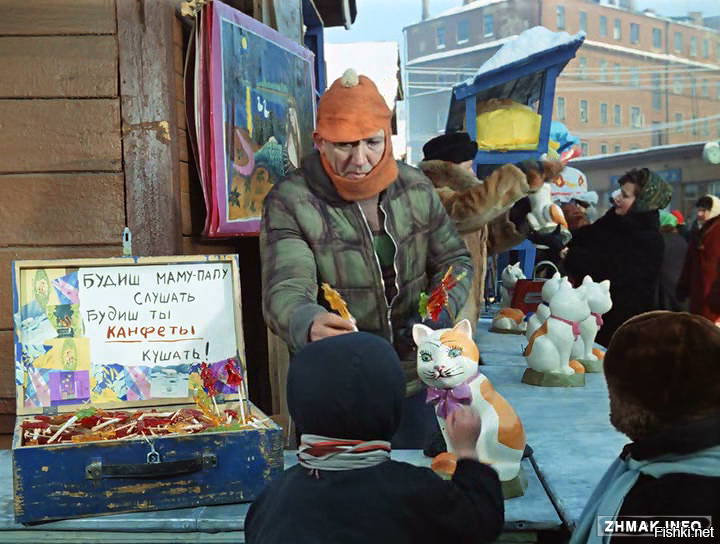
352 109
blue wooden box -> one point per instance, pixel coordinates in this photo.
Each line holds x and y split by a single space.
140 473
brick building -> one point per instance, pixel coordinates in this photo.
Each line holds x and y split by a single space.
639 80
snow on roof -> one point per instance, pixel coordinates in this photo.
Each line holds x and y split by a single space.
379 61
472 5
462 51
533 40
639 151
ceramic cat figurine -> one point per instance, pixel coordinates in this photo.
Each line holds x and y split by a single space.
549 347
509 320
447 362
543 310
510 276
544 215
599 302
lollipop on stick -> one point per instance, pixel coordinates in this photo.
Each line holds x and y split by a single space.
337 303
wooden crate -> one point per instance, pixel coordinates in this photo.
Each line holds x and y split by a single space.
130 335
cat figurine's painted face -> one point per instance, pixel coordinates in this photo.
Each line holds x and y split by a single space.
446 357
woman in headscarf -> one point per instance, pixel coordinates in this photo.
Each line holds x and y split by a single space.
625 247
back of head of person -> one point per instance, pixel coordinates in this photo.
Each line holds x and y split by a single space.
668 222
457 148
662 373
349 386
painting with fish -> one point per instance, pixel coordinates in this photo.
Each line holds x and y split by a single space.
262 82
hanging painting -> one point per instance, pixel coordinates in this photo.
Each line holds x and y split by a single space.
259 86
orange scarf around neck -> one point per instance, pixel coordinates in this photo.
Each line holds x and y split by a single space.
376 181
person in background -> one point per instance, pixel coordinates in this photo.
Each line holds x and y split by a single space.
345 394
490 214
625 247
682 228
663 380
372 228
672 264
700 278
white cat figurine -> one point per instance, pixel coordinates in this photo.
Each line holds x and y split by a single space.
549 347
447 362
599 302
509 278
544 216
543 310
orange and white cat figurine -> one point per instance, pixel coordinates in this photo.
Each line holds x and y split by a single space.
545 215
509 320
549 347
447 362
598 298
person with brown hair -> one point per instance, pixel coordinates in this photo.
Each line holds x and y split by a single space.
625 247
663 381
372 228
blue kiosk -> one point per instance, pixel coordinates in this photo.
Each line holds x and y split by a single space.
528 80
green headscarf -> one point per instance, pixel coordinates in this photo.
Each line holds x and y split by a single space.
667 219
655 195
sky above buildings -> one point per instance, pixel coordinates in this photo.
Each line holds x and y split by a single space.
378 21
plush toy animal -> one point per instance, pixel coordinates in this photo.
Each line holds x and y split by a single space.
548 350
599 302
542 312
447 362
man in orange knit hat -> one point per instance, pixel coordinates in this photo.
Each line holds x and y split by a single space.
372 228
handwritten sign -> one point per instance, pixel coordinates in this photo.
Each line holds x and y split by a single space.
158 315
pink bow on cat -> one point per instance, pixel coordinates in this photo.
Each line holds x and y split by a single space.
575 325
447 400
598 319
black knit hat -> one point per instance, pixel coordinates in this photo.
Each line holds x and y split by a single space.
456 147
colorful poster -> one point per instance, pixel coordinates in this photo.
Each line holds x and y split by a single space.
261 86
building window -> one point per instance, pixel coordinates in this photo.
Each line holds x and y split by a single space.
717 52
678 123
561 17
603 113
462 31
657 38
584 148
706 128
717 122
603 26
636 118
706 48
603 149
704 87
616 73
694 125
718 91
678 42
440 37
583 21
584 111
617 30
693 86
634 33
488 29
582 67
617 115
560 108
603 70
693 47
634 76
677 85
617 148
657 92
657 135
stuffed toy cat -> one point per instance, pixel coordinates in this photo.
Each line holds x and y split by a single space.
447 362
549 346
599 302
544 215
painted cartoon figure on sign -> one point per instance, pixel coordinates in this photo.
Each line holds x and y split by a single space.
447 363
